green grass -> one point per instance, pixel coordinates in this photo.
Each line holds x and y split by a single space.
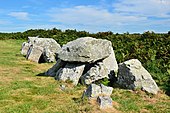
21 91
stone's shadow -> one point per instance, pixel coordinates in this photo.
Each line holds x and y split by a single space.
43 75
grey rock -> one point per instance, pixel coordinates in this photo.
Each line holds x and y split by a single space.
34 53
49 45
133 75
86 49
104 102
97 72
32 39
93 91
70 72
53 70
25 48
105 90
62 87
111 63
48 55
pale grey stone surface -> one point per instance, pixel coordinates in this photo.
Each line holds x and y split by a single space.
111 63
97 72
49 45
93 91
25 48
104 102
53 70
133 75
106 90
70 72
86 49
34 53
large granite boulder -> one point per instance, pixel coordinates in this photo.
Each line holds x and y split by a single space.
133 75
86 49
71 72
97 72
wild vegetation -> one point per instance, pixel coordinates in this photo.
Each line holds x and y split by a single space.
23 91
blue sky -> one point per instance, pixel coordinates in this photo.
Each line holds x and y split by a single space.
90 15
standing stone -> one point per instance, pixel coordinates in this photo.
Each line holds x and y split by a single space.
48 55
93 91
52 71
133 75
86 49
111 64
25 48
105 90
97 72
70 72
104 102
34 53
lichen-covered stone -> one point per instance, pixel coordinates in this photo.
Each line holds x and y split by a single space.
86 49
133 75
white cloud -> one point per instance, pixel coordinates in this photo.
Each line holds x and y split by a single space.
155 8
19 15
90 15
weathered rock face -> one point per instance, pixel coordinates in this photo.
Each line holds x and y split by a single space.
70 72
34 53
99 71
49 49
52 71
101 93
85 49
133 75
104 102
111 63
47 43
93 91
25 48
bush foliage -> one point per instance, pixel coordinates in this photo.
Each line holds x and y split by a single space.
152 49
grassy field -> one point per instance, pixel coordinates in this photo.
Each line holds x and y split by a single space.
21 91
